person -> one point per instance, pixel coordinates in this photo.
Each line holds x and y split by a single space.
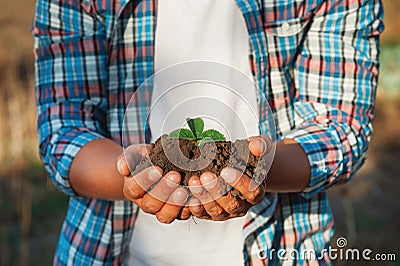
317 62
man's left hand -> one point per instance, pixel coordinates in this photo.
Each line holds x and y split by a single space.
210 201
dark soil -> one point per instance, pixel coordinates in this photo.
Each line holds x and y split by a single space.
185 157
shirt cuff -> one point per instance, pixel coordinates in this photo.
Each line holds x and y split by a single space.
323 151
62 149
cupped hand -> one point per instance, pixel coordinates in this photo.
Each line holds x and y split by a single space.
210 200
150 190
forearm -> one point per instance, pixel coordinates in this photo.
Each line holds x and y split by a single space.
290 170
94 173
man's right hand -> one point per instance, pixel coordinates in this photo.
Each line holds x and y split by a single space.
166 199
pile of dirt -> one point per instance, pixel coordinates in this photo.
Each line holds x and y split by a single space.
187 158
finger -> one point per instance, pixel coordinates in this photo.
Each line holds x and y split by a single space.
170 211
213 185
122 166
154 200
229 203
259 145
243 183
130 157
197 209
212 207
184 213
239 214
142 150
136 186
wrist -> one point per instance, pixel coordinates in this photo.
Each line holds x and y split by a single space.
290 170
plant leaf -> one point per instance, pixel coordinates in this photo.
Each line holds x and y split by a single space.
212 134
196 125
182 133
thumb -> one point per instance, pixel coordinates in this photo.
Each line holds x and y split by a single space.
259 145
122 166
131 156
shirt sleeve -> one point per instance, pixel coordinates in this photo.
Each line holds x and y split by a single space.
70 72
336 79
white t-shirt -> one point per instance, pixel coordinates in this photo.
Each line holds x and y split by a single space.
191 30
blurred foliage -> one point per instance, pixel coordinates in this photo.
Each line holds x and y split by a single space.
390 69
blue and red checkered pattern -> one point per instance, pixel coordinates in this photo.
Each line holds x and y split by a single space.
316 61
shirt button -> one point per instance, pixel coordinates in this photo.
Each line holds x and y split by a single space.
285 27
262 63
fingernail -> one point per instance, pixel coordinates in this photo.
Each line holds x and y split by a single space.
179 197
263 146
258 146
195 187
208 181
119 165
173 180
154 175
229 175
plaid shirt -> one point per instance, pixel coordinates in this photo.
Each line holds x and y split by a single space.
315 60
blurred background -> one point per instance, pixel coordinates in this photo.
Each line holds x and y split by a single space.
32 210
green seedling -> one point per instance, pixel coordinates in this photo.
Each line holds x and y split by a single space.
195 132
